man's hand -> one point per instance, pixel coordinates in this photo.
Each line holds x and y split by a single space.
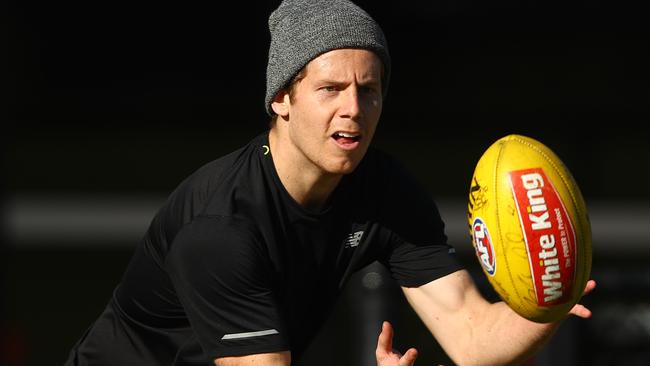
579 309
386 355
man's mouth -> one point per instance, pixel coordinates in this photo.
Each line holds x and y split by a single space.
346 137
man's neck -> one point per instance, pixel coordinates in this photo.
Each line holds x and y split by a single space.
306 183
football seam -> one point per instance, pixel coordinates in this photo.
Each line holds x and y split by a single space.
498 221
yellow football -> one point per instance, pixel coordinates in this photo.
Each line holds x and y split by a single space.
530 228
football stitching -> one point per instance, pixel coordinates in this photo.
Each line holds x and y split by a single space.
498 221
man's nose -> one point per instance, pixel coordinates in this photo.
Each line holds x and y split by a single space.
351 104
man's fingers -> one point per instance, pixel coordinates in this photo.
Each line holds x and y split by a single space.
579 309
409 357
590 286
385 351
385 341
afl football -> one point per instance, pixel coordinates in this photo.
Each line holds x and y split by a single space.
530 228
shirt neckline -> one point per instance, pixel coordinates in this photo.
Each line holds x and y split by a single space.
298 209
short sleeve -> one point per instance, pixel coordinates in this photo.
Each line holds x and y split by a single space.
413 265
418 251
225 284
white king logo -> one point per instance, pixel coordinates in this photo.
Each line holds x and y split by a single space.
548 232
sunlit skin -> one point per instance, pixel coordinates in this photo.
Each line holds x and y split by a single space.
511 325
340 95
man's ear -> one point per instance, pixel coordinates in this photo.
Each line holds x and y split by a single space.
281 103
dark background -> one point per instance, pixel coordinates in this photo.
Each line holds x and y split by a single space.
125 99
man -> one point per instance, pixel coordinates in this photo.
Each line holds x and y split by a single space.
244 261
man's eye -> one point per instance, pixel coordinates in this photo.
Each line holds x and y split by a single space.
329 88
368 90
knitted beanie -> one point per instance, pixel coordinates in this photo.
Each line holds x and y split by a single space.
302 30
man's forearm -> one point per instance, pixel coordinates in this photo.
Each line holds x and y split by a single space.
270 359
506 338
470 329
475 332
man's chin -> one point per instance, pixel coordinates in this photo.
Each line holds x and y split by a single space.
343 167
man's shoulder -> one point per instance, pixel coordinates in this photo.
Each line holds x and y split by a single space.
239 156
221 175
385 179
213 171
381 166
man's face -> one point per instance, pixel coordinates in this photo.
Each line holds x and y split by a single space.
335 108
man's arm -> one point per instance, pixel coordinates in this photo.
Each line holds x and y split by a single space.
266 359
475 332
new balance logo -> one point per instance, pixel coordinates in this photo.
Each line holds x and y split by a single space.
354 239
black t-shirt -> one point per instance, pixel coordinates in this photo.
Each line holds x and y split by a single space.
232 262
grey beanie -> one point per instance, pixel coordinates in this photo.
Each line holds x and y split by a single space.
301 30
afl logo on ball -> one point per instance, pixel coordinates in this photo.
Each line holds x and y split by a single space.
483 246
